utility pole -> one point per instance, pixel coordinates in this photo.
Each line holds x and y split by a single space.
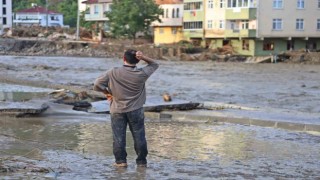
47 14
78 20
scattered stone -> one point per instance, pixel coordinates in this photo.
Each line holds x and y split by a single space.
166 97
22 109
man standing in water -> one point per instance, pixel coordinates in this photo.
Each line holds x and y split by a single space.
124 87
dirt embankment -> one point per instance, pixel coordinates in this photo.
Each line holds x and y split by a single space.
38 41
68 48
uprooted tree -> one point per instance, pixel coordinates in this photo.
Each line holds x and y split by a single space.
128 17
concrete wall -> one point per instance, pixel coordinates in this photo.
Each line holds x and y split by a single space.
167 37
238 48
279 46
289 13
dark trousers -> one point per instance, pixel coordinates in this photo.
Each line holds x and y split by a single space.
119 122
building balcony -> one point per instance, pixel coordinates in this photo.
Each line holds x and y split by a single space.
240 33
193 33
193 15
241 13
26 21
95 17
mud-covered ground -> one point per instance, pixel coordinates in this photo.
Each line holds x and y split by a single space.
79 146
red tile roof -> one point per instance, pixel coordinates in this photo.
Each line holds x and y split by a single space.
37 9
159 2
90 2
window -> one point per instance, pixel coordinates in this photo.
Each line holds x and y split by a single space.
161 30
4 11
178 13
222 3
268 46
277 24
299 24
221 24
4 2
318 3
277 4
193 6
300 4
318 24
290 45
167 13
209 24
96 9
245 24
192 25
238 3
210 4
174 30
310 45
4 21
245 44
173 13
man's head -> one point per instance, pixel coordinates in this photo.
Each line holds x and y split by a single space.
130 56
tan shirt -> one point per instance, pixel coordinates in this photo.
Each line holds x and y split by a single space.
127 86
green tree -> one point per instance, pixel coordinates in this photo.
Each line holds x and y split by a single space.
128 17
24 4
69 9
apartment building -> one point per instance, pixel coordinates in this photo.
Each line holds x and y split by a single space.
5 14
193 20
169 30
254 27
96 12
287 24
40 16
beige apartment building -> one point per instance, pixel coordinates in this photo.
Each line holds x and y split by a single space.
288 25
255 27
5 14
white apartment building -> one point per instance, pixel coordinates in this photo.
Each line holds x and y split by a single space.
5 14
38 15
96 12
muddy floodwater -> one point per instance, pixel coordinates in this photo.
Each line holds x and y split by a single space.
79 145
81 148
292 87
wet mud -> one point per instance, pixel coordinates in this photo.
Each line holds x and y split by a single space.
64 145
66 148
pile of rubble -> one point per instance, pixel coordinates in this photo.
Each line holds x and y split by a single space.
46 33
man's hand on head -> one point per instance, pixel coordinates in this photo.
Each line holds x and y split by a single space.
139 55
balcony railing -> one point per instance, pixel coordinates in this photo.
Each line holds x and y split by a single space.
27 21
236 33
95 17
241 13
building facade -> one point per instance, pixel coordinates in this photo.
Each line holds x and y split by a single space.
169 31
96 12
288 25
5 15
39 16
254 27
194 20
